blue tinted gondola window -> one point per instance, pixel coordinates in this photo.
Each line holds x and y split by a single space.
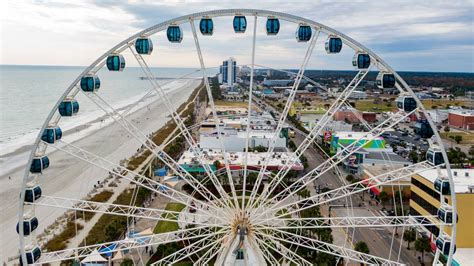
115 62
174 34
32 194
240 24
273 26
333 45
363 61
68 108
143 46
303 33
50 135
206 26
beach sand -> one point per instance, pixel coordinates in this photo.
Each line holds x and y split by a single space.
70 177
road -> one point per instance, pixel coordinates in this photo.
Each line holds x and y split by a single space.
379 240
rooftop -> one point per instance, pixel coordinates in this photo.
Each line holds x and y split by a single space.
463 178
237 158
377 170
462 112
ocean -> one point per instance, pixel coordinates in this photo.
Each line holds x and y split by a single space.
28 93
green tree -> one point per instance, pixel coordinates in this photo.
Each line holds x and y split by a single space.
447 129
384 197
361 246
422 245
409 236
458 139
350 178
216 164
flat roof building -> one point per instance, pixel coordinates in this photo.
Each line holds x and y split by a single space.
461 118
425 200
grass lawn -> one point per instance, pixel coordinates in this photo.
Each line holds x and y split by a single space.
168 226
370 106
442 103
467 138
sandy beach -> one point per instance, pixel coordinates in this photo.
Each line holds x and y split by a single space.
69 177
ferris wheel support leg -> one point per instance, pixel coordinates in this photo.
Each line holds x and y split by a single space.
214 114
283 115
179 122
341 156
316 130
249 115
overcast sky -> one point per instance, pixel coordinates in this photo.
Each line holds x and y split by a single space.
412 35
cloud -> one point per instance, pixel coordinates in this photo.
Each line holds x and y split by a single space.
409 35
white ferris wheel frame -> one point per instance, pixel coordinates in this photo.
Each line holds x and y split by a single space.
53 118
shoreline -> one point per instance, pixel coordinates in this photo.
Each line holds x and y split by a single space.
12 160
68 177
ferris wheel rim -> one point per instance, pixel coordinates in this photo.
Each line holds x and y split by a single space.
98 63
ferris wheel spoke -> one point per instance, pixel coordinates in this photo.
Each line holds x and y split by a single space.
351 189
340 156
132 176
315 132
187 135
193 248
126 210
353 222
126 244
317 245
249 115
156 150
283 116
214 114
279 248
267 254
212 251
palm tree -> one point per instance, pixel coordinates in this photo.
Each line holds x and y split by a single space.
409 236
361 246
422 245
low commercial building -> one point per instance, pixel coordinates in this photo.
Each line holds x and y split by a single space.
370 172
351 115
425 200
461 118
255 160
235 140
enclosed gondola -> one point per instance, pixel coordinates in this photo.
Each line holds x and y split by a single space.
33 254
51 134
240 24
29 225
434 156
445 214
406 103
90 83
39 163
143 45
442 186
443 243
333 45
361 60
115 62
303 33
385 80
423 129
273 26
174 34
32 193
206 26
68 107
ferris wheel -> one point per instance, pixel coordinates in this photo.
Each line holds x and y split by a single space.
226 217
